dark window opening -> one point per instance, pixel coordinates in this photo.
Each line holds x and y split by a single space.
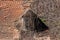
34 23
40 26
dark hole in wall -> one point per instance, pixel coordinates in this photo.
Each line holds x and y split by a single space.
33 23
40 26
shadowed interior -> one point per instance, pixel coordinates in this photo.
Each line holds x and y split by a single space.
32 22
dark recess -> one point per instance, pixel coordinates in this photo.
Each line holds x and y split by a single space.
33 23
40 26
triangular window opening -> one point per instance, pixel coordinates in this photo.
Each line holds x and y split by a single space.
33 23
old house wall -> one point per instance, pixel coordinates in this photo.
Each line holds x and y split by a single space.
47 10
